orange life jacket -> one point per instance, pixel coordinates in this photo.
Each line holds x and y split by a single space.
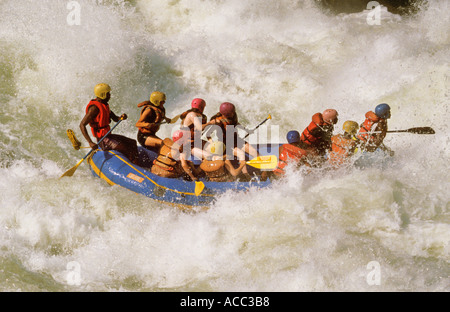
289 152
191 126
342 147
215 170
315 130
165 165
154 119
223 122
100 125
368 134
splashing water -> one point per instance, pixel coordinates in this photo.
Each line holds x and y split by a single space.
286 58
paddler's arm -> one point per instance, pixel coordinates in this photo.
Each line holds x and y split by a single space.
234 171
249 131
187 167
115 118
141 122
209 123
89 117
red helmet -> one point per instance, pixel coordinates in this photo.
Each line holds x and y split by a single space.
330 116
198 104
177 135
227 109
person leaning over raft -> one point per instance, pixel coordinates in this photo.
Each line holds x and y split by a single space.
216 167
172 160
226 117
166 165
343 146
98 116
181 143
316 138
291 152
195 122
374 129
152 115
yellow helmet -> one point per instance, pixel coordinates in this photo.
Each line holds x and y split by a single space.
216 148
350 127
157 97
101 90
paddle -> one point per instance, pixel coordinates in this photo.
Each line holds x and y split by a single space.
72 170
269 117
75 143
417 130
172 121
199 186
266 162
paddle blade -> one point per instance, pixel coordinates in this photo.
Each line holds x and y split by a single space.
199 186
174 119
76 144
422 130
267 162
72 170
417 130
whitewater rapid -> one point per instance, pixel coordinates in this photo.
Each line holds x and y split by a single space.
290 59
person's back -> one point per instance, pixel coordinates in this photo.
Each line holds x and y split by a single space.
223 119
152 115
343 145
291 152
194 121
317 135
98 116
374 128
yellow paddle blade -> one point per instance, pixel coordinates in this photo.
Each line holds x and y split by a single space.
199 186
76 144
72 170
174 119
267 162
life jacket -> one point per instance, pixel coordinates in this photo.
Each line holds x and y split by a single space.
342 147
369 135
223 122
288 153
215 170
100 124
191 126
317 135
316 130
159 113
165 165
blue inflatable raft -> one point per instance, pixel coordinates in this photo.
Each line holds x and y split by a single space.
116 169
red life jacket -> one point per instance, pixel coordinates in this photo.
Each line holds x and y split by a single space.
342 148
289 152
367 127
310 134
100 125
155 120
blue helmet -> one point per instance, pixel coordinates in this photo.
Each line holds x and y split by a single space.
383 111
293 136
